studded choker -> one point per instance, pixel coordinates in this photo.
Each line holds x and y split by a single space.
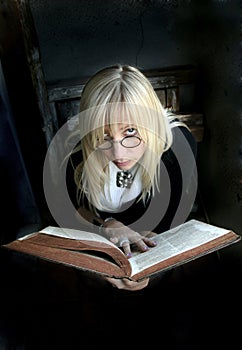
124 179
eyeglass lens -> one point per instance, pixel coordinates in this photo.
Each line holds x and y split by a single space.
128 142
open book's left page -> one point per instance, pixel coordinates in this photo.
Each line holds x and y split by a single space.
71 234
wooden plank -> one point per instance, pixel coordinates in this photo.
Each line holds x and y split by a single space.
160 79
172 99
161 93
33 58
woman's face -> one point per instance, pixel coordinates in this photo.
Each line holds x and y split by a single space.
119 136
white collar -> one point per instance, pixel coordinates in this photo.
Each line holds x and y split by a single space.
115 197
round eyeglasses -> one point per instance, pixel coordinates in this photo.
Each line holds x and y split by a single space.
127 142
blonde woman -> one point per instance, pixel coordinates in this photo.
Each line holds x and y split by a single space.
133 169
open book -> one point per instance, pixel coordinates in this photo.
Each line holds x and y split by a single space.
92 252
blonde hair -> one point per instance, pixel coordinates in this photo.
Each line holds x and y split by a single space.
124 91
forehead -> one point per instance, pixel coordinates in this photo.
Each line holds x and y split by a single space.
119 118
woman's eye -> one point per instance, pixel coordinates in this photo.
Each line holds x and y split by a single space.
107 138
131 131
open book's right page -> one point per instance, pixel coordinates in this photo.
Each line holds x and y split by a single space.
179 240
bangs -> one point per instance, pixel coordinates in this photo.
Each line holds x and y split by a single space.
148 122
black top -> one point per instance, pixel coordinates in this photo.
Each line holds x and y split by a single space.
178 184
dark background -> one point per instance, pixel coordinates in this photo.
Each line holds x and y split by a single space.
76 38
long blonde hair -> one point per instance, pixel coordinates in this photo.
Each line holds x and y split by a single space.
119 90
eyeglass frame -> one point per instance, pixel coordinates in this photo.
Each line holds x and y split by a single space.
121 142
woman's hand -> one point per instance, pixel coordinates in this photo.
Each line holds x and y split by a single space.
126 238
148 234
127 284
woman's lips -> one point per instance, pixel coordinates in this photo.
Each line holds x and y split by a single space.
122 163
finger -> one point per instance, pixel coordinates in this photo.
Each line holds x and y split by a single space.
149 242
114 240
136 285
127 284
148 234
141 245
126 248
144 243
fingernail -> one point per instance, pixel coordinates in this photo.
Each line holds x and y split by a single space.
128 255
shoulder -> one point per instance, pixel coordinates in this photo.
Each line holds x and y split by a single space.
182 135
183 144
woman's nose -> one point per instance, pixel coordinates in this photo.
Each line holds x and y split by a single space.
117 149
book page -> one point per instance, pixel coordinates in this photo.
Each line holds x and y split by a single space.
176 241
72 234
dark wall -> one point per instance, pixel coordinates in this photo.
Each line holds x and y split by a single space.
22 142
79 37
18 209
